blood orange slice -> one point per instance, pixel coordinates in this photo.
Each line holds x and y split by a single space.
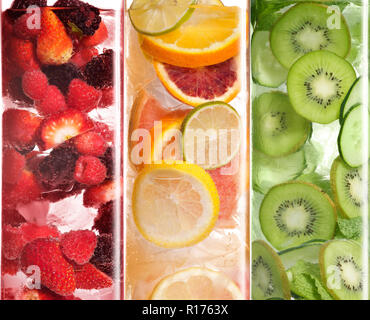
195 86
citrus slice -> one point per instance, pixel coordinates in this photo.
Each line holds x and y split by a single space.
210 36
175 206
197 284
211 135
157 17
195 86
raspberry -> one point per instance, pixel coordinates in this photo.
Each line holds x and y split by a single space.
78 246
12 242
61 75
99 71
34 84
12 218
95 196
82 97
104 220
90 144
13 165
24 4
104 130
90 170
10 267
83 16
21 29
52 103
82 57
103 254
56 170
107 98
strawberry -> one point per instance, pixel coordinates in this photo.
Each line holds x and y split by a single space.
56 273
24 191
88 277
99 36
22 53
25 28
63 126
32 232
52 103
34 84
54 46
13 165
91 144
96 196
90 170
78 246
82 97
42 294
20 128
82 57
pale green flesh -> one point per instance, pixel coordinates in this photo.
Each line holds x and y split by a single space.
306 252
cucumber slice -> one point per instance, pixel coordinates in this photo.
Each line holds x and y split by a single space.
354 97
350 140
308 252
266 70
268 171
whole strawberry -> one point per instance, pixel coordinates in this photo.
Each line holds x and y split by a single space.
56 273
88 277
54 46
83 97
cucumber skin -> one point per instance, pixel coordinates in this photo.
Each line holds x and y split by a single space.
341 115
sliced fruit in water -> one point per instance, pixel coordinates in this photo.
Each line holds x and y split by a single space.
269 171
296 212
353 98
317 85
195 86
350 140
197 284
266 70
278 130
308 252
211 135
348 185
175 206
210 36
342 270
158 17
309 27
269 279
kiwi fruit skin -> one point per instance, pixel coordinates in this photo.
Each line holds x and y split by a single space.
307 104
280 284
339 165
283 244
306 8
349 246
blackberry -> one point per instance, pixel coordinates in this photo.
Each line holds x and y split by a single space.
103 254
56 170
104 220
62 75
23 4
107 160
81 15
99 71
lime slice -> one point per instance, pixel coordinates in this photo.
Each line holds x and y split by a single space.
211 135
157 17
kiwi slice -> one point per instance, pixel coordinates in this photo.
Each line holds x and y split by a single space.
317 85
347 185
277 129
305 28
341 269
269 279
296 212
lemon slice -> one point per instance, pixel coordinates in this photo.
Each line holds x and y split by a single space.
175 206
197 284
211 135
210 36
157 17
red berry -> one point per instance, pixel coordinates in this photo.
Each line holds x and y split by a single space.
90 170
99 36
20 127
82 97
10 267
12 242
12 217
88 277
24 27
78 246
82 57
91 144
34 84
53 102
104 220
13 165
104 130
63 126
107 98
56 273
96 196
32 231
22 53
